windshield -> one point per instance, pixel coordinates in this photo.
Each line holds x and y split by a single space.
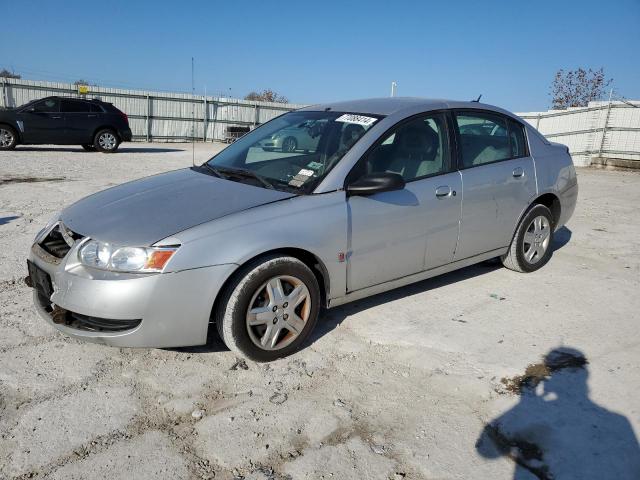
292 152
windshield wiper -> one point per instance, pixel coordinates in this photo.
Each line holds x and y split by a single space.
240 172
215 171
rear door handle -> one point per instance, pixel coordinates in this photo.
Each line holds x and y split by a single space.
444 191
518 172
56 118
92 116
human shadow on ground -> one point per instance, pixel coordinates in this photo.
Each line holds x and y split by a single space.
561 237
5 220
556 431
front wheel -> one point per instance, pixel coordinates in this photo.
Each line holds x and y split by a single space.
8 138
106 141
531 245
270 308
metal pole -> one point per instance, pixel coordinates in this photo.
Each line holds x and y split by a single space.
604 127
204 120
4 93
148 124
394 86
213 119
256 116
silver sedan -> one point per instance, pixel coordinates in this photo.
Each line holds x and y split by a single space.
253 242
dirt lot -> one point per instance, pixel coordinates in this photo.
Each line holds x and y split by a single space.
401 385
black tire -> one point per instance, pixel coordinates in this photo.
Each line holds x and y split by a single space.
8 137
89 148
521 258
233 307
289 145
106 141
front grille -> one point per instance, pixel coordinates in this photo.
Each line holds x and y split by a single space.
55 244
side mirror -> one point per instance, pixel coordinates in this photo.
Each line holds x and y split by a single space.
376 183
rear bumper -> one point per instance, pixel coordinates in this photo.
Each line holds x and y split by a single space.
568 201
157 310
125 134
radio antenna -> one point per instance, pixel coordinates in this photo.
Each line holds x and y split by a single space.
193 115
477 100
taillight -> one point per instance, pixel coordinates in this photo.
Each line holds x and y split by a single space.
126 119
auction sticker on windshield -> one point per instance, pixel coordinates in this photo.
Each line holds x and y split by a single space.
357 119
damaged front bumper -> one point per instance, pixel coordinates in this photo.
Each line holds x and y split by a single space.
126 309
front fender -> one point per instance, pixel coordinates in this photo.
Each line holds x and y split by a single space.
314 223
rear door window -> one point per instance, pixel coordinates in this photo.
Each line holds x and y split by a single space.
484 138
95 108
74 106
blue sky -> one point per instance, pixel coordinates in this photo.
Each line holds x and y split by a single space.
327 50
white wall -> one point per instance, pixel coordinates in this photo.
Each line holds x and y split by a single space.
599 130
155 115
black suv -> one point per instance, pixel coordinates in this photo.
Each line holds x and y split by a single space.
94 124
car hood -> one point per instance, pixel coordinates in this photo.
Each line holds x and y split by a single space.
145 211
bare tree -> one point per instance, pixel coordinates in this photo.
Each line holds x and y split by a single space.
83 82
4 73
266 95
576 88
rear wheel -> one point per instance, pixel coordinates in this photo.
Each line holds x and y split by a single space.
106 141
8 138
270 309
531 245
89 148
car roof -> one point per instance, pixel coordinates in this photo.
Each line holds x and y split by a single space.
392 105
96 100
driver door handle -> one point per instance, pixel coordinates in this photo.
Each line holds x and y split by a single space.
444 191
518 172
56 118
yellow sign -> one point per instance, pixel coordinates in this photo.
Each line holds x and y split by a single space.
83 89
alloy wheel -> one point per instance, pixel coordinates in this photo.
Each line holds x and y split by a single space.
6 137
107 141
278 312
536 239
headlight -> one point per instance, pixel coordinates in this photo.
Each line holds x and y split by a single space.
124 259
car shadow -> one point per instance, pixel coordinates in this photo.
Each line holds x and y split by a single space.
214 344
332 318
149 150
556 430
82 150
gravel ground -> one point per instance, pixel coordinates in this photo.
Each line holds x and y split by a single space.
437 380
